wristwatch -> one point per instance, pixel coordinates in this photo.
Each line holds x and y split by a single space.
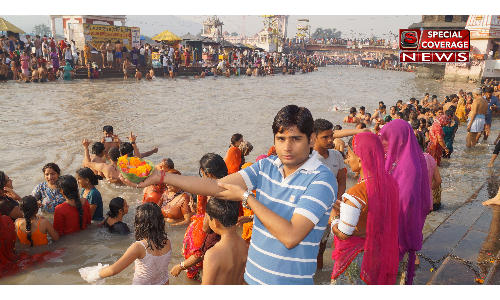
245 199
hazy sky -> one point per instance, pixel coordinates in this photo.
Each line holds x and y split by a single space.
364 26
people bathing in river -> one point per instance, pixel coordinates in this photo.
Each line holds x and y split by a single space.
9 200
118 208
109 171
87 180
351 118
176 204
33 229
47 192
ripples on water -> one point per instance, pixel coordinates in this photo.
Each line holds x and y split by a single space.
186 118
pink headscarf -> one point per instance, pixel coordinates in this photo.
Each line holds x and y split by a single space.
406 163
380 259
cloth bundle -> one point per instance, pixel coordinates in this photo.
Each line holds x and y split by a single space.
91 274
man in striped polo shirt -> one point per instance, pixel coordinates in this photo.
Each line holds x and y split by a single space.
295 194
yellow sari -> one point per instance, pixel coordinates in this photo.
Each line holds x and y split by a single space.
461 113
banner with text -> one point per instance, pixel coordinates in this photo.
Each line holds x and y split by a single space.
104 33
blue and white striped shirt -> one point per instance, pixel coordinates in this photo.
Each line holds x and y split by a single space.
309 191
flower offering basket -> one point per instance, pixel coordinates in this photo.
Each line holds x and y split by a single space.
133 163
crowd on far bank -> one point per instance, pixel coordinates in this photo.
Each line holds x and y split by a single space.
42 59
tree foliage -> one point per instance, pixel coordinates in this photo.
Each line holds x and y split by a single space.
326 33
234 34
41 30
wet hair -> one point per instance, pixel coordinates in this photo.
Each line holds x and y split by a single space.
87 173
321 125
400 115
387 119
415 124
114 154
383 107
395 108
2 180
150 225
423 110
69 187
434 96
449 113
399 101
224 211
52 166
236 137
361 108
381 102
368 115
362 125
29 206
97 148
214 164
337 127
115 205
413 99
352 110
426 94
107 128
453 96
168 162
126 148
292 115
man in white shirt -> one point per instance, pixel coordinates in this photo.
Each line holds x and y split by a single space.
171 52
335 162
142 60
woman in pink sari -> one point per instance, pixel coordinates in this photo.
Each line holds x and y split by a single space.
365 228
406 163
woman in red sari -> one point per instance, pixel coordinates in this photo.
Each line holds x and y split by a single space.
7 243
187 57
437 144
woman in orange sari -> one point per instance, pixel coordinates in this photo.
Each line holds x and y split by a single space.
197 239
233 155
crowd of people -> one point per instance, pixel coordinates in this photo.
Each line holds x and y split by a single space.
292 202
435 124
42 60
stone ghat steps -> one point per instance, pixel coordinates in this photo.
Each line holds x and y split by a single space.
464 248
117 72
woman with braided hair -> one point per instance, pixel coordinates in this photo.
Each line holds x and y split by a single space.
74 214
32 230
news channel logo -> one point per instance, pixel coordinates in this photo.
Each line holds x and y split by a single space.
409 39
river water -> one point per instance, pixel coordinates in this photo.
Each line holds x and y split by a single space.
186 118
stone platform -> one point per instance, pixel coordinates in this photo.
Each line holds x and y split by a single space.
464 249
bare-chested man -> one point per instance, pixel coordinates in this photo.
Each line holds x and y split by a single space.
109 49
42 73
109 140
97 155
118 53
103 54
351 118
361 113
150 74
110 171
425 100
477 117
379 113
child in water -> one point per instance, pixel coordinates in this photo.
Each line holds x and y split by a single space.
151 252
225 262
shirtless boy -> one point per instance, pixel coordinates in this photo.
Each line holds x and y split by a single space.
126 68
118 53
225 262
477 117
109 139
138 74
110 171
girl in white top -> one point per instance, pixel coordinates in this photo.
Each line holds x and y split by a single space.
151 252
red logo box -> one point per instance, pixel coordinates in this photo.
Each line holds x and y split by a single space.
409 39
434 57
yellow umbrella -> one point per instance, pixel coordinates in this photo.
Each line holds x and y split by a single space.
167 36
7 26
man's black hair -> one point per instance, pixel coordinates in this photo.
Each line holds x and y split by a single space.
400 115
434 96
97 148
292 115
363 125
114 154
337 127
489 89
361 108
415 124
380 102
321 125
126 148
426 94
400 101
413 99
107 128
395 108
352 110
383 107
387 119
